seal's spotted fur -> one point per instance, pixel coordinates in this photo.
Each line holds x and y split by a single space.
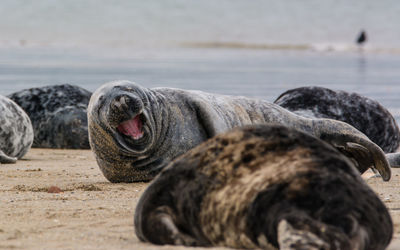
16 132
58 115
361 112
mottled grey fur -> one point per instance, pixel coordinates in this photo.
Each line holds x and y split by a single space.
16 132
363 113
58 114
176 120
265 186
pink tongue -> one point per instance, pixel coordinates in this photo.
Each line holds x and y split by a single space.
132 128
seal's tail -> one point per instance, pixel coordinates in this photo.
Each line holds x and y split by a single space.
6 159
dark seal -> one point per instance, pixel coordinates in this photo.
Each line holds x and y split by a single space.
58 114
16 132
135 131
361 112
264 186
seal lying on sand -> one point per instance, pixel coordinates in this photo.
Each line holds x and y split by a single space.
58 114
16 132
364 114
134 131
264 186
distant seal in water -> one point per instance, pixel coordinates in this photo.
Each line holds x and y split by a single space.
58 114
361 112
135 131
264 186
16 132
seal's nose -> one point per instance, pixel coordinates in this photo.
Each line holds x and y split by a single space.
120 103
126 104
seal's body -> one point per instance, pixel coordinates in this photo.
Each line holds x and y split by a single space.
58 114
16 132
264 186
135 131
361 112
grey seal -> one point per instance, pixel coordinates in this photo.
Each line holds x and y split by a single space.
135 131
58 114
263 186
363 113
16 132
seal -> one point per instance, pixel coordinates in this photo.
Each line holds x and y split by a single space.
263 186
16 132
363 113
135 131
58 114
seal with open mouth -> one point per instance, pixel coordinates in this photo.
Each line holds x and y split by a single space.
263 187
135 131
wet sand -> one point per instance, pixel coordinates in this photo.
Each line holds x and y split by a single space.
90 212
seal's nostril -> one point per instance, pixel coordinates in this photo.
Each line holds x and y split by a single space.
120 103
123 101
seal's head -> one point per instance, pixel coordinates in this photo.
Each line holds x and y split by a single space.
123 128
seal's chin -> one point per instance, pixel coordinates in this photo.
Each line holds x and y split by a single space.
132 128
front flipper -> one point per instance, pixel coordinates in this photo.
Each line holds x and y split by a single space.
160 228
208 116
353 143
6 159
291 238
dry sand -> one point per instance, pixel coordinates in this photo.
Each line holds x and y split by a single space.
90 212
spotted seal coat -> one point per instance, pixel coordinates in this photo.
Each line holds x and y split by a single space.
363 113
264 186
16 132
58 114
135 131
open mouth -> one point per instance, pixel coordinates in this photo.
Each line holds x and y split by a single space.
132 128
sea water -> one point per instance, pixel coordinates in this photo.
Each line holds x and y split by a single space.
254 48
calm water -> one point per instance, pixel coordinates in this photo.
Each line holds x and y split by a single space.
254 48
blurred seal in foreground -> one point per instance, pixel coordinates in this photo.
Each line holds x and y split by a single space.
58 114
135 131
16 132
263 187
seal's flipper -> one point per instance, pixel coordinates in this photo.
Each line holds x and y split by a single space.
359 154
208 117
393 159
291 238
6 159
161 229
344 136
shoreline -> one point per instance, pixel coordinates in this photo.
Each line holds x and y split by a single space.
90 212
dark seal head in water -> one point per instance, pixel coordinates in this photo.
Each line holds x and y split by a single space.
16 132
135 131
361 112
265 186
58 114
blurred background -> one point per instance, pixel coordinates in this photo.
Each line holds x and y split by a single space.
253 48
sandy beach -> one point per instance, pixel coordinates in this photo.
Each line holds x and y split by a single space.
87 211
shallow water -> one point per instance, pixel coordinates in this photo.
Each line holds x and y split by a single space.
252 48
255 73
